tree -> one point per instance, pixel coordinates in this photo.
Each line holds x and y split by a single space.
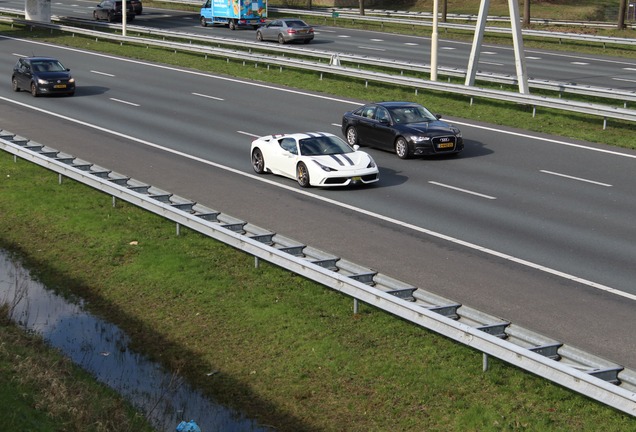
444 10
622 11
526 13
361 7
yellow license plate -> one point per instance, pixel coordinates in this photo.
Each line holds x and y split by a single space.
356 179
445 145
59 86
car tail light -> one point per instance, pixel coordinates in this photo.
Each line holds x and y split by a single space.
291 31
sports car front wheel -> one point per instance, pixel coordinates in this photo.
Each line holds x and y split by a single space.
258 162
302 175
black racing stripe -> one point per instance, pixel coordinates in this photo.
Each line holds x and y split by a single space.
348 159
337 159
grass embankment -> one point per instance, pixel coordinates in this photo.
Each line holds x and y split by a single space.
287 351
283 350
41 391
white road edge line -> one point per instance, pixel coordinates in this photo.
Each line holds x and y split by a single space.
462 190
575 178
340 204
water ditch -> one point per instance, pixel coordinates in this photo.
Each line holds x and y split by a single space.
101 348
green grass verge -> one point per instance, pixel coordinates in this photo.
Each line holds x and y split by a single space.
41 391
283 350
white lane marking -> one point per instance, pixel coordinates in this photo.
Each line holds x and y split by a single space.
411 43
462 190
579 63
371 48
550 140
209 97
248 134
624 79
124 102
340 204
489 53
575 178
376 40
491 63
343 36
532 58
448 48
102 73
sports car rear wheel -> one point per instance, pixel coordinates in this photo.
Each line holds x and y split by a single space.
302 175
258 162
402 148
352 136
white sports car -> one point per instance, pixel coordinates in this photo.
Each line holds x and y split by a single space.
313 159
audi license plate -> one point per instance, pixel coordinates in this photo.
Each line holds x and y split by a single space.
59 86
445 145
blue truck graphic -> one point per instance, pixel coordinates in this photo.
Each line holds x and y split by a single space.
234 13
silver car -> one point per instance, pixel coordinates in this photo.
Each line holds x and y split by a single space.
286 30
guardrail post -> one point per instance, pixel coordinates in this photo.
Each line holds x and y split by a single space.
114 201
178 229
59 179
257 262
355 305
485 362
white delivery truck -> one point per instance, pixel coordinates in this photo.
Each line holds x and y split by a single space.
234 13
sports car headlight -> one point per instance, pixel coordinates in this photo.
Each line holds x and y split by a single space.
371 163
324 167
42 81
419 138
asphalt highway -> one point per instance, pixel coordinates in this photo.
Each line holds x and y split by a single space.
600 71
538 230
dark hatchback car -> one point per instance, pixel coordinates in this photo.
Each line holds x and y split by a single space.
406 128
42 75
286 30
111 10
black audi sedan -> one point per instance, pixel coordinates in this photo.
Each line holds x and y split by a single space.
42 76
406 128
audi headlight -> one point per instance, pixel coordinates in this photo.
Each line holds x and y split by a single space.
42 81
419 138
72 80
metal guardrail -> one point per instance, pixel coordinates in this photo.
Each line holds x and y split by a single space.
597 378
418 22
335 68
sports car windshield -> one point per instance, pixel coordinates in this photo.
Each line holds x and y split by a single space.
411 114
324 145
